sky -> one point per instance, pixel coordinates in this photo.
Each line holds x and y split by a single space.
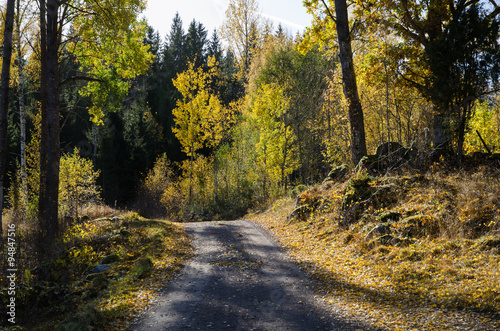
160 13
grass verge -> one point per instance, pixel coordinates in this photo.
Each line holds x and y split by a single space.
107 271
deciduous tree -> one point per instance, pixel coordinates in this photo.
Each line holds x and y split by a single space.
243 29
277 145
200 118
108 42
344 37
449 52
4 94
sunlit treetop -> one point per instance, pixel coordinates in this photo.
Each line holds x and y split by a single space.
108 44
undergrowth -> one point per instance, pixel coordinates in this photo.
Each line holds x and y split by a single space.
137 256
415 252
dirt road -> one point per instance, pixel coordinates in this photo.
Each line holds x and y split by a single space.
238 280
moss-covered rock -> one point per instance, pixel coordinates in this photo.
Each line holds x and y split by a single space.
379 230
388 216
489 243
112 258
299 214
142 268
338 173
418 225
294 193
358 189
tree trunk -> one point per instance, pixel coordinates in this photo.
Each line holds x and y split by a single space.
22 116
4 97
358 143
49 144
464 118
43 125
283 164
440 139
191 173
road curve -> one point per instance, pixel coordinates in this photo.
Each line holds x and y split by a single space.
239 279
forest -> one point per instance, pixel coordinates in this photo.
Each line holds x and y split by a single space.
100 113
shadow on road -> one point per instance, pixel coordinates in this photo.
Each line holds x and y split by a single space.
239 280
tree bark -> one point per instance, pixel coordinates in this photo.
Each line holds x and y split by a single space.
358 142
191 161
440 138
4 96
22 115
49 143
43 126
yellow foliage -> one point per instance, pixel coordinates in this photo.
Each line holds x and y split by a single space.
486 121
77 184
276 148
200 118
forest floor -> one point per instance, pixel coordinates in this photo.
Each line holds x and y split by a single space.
406 260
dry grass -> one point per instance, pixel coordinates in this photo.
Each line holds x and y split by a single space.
440 268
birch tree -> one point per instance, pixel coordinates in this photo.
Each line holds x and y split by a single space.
200 118
243 29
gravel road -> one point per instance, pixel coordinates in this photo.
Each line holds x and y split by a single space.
239 279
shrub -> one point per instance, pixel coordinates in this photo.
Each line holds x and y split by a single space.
77 184
152 190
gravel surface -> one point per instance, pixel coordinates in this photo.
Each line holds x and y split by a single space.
239 279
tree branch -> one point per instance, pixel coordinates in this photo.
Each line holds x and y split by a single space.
420 33
81 78
329 12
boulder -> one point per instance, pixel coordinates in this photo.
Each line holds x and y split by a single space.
99 280
418 225
299 214
97 269
125 233
142 267
387 216
391 149
379 230
387 240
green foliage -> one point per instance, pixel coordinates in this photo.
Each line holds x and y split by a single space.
234 177
303 81
276 147
77 185
33 168
110 46
126 146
